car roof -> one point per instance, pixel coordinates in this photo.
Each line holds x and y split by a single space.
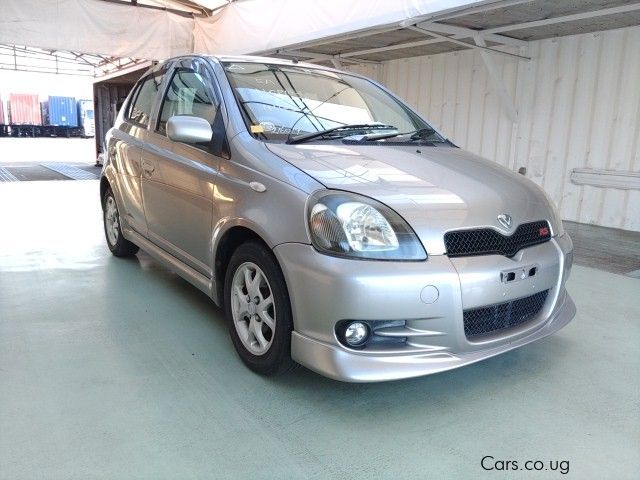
246 58
256 59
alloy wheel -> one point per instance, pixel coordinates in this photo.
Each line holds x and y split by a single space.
253 309
112 220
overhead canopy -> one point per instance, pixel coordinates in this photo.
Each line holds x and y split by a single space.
511 23
337 31
96 27
252 26
158 29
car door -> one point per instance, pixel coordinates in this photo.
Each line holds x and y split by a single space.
126 150
178 179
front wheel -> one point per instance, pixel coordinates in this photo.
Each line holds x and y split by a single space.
119 246
257 309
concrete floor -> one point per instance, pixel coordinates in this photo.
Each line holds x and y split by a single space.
115 368
609 249
22 158
15 151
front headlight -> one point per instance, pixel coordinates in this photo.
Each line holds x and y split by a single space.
349 225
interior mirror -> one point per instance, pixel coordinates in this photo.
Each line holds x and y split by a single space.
189 129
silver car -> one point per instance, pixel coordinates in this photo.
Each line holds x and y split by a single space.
334 225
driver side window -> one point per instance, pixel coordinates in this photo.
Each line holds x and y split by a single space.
186 95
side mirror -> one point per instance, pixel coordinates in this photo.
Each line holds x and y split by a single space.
188 129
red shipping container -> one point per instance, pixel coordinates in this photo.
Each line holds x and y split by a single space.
24 109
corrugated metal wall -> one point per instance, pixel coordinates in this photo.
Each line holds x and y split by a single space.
578 103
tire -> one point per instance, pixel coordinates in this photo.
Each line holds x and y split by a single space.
246 323
119 246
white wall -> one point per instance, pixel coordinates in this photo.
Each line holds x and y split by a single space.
578 103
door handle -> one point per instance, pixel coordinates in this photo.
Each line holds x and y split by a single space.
148 167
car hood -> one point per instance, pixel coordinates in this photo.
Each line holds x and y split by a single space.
435 189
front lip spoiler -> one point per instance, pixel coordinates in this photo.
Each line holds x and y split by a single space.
340 364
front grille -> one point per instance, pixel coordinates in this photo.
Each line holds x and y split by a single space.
486 241
487 320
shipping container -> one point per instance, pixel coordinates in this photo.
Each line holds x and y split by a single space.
86 118
24 109
3 120
60 112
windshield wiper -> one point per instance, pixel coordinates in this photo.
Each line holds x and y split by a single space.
370 137
421 133
364 126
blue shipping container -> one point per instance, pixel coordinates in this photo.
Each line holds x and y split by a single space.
62 112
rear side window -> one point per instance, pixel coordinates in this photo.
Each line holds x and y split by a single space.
186 95
140 111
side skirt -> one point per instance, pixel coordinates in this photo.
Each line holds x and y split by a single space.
192 276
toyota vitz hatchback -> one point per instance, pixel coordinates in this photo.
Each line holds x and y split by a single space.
336 227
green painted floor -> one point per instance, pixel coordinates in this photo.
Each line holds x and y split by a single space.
116 368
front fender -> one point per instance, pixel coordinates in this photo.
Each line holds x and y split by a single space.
110 175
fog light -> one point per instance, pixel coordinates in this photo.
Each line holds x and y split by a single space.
356 334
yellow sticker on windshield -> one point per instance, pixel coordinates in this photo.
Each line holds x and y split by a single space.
257 129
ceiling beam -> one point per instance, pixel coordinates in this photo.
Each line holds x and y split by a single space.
80 58
462 32
563 19
134 66
469 45
106 61
175 11
321 56
397 46
194 6
334 39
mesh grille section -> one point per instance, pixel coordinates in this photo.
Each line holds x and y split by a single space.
485 241
486 320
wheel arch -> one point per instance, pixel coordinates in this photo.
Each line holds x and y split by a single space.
104 185
227 239
108 180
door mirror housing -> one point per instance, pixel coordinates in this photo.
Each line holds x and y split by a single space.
189 129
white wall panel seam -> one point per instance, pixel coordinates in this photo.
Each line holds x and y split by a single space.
614 132
592 195
566 140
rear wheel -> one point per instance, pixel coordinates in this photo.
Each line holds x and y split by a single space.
119 246
257 309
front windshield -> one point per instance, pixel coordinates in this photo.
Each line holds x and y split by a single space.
282 101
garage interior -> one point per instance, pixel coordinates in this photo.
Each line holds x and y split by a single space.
118 368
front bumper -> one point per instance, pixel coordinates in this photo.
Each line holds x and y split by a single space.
325 290
340 364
